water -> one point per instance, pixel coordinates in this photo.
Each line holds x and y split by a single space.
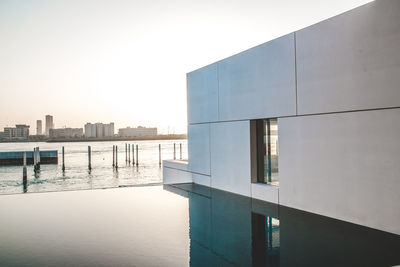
77 176
182 225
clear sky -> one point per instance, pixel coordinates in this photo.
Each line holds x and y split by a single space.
126 61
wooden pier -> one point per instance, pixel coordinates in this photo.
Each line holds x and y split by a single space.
17 157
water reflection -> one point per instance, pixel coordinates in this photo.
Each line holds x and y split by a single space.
231 230
25 185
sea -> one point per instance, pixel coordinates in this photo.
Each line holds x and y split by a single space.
77 175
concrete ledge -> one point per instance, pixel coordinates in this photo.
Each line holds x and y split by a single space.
176 164
201 179
176 172
265 192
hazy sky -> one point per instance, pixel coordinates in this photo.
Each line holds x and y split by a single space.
126 61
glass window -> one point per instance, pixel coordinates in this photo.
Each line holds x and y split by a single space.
271 152
264 151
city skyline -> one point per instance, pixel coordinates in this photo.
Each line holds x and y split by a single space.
127 62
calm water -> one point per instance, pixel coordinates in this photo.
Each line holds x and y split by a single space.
76 175
185 225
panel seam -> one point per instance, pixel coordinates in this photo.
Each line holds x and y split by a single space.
301 115
295 71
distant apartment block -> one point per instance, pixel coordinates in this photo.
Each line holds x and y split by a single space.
20 131
39 127
99 130
137 132
66 133
49 124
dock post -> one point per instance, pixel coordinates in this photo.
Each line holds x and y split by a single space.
116 157
159 155
137 155
180 151
34 159
90 157
174 151
133 154
63 161
129 154
126 152
113 156
24 172
38 158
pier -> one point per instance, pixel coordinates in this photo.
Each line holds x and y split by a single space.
17 157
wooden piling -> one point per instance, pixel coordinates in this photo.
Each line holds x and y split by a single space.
113 164
126 152
133 154
116 157
90 157
34 159
63 160
129 154
159 155
38 158
137 155
24 171
174 151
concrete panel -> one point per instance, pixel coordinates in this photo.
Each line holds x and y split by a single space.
202 94
230 156
258 83
201 179
176 164
265 192
199 148
175 176
343 165
350 62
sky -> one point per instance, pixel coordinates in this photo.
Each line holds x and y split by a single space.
126 61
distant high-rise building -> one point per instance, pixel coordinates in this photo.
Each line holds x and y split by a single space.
49 124
39 127
20 131
99 129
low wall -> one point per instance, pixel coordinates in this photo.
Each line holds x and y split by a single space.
176 172
16 157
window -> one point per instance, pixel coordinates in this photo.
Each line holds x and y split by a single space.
265 151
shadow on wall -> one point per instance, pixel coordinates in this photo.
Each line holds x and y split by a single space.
232 230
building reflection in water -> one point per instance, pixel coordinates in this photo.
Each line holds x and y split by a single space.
232 230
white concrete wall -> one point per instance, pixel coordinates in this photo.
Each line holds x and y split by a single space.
230 156
258 83
344 166
340 165
176 172
201 179
202 94
265 192
199 148
350 62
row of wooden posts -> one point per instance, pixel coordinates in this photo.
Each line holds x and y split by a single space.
127 155
36 157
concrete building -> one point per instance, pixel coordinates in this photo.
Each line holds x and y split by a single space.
39 127
20 131
310 120
49 124
66 133
137 132
1 135
99 130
